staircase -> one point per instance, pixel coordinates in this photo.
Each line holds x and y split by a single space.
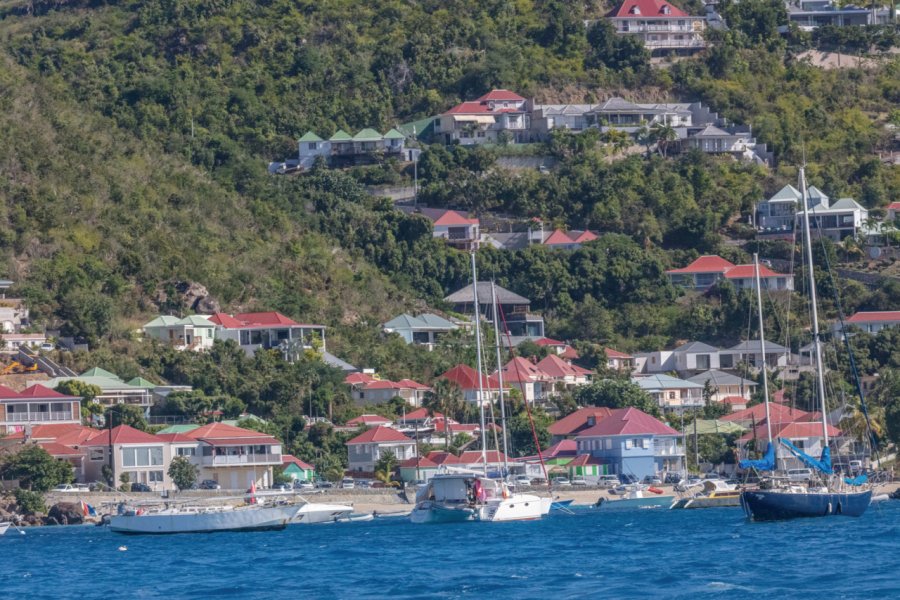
53 369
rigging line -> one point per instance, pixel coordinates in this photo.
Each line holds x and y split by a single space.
872 437
512 352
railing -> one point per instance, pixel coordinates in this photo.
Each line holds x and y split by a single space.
241 459
675 43
39 416
657 29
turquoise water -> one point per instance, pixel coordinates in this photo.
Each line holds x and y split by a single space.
712 553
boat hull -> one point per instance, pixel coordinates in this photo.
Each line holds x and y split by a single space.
313 513
3 528
631 503
773 505
433 512
241 519
518 507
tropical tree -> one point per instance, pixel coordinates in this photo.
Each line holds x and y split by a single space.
35 469
183 472
445 398
384 467
616 393
663 134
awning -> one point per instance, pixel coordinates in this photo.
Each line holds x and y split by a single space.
707 426
482 119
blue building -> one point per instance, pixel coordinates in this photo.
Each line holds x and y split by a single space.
631 442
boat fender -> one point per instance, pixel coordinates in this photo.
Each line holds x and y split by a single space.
505 492
655 490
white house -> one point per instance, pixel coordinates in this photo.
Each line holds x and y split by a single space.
659 25
671 393
750 352
496 116
265 330
872 321
687 358
36 405
195 332
707 270
368 447
425 329
725 385
778 215
522 374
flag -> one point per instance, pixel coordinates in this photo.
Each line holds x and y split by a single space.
84 509
91 510
253 492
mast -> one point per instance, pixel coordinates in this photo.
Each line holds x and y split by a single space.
820 378
500 376
762 344
478 363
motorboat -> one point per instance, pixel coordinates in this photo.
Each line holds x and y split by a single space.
634 496
311 513
709 493
202 519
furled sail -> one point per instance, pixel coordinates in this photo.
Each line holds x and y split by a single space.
823 464
858 480
766 463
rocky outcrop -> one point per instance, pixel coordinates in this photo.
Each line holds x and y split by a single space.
65 513
188 295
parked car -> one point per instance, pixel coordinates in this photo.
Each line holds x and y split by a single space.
652 480
579 480
347 484
673 478
47 347
608 481
304 485
209 484
140 487
324 484
799 475
72 487
561 482
522 480
627 478
282 487
538 481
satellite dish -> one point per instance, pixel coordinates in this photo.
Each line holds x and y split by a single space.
874 252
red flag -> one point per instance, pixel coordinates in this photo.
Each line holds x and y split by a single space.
253 492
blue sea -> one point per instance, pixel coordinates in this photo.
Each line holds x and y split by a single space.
712 553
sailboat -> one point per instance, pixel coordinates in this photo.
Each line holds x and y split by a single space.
833 495
462 495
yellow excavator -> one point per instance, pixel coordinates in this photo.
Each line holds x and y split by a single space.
17 367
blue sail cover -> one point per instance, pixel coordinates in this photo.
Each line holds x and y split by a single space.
823 464
858 480
766 463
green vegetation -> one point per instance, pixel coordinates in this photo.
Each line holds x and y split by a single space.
35 469
183 473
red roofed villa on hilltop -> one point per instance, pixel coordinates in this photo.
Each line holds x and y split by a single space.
495 116
36 405
368 447
660 25
871 322
707 270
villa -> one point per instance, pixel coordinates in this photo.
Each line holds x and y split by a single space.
706 271
367 448
36 406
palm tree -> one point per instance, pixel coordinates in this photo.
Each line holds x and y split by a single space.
664 134
445 397
618 139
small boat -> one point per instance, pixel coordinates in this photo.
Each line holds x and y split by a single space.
709 493
203 519
391 515
3 527
457 497
311 513
633 496
355 518
561 504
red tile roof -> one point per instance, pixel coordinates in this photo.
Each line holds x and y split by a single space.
586 236
627 421
560 448
467 378
423 463
369 420
59 450
578 420
215 433
501 95
451 217
39 391
583 460
420 414
894 206
355 378
558 238
473 457
569 353
646 9
520 369
256 320
379 434
412 385
6 392
123 434
779 412
71 434
545 341
556 367
734 400
875 316
706 264
442 458
791 431
175 438
749 272
610 353
288 459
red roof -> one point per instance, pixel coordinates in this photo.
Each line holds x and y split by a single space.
368 420
379 434
779 412
556 367
646 9
59 450
381 385
610 353
255 320
123 434
442 458
560 448
451 217
71 434
583 460
875 316
6 392
625 421
39 391
355 378
558 238
420 414
467 378
288 459
706 264
586 236
176 438
778 396
423 463
894 206
578 420
734 400
471 457
569 353
520 369
413 385
791 431
501 95
549 342
219 434
749 272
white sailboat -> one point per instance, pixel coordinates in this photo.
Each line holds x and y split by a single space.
203 519
311 513
469 496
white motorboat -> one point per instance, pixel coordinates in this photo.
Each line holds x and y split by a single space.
203 519
311 513
456 497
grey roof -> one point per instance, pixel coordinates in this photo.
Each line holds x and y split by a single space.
715 378
847 204
425 321
436 321
620 104
786 194
504 296
511 241
753 347
695 347
334 361
162 321
713 131
663 382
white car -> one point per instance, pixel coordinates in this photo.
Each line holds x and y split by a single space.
608 481
579 480
561 482
522 480
347 484
71 488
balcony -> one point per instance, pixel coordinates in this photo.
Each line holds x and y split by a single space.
666 450
35 417
230 460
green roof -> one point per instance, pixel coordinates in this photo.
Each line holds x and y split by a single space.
341 136
367 135
98 372
196 321
104 383
393 134
309 136
162 321
178 428
419 128
141 382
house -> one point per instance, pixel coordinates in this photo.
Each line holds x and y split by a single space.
893 211
369 421
780 214
780 414
812 14
661 26
297 469
571 425
378 391
13 315
419 468
692 357
586 466
458 230
35 406
562 349
195 332
368 447
341 149
561 375
618 361
734 403
735 141
235 457
425 329
725 385
467 380
708 270
871 321
750 353
631 442
60 440
499 116
420 418
513 308
266 330
112 389
14 341
523 375
142 457
671 393
571 240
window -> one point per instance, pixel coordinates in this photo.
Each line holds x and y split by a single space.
142 457
209 333
186 451
609 443
645 443
97 454
312 146
672 395
245 338
156 476
629 444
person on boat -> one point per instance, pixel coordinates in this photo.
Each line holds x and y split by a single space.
478 490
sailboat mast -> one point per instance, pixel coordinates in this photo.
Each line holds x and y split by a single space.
762 344
820 376
500 375
478 363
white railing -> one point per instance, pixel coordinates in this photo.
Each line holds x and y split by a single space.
241 459
39 416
